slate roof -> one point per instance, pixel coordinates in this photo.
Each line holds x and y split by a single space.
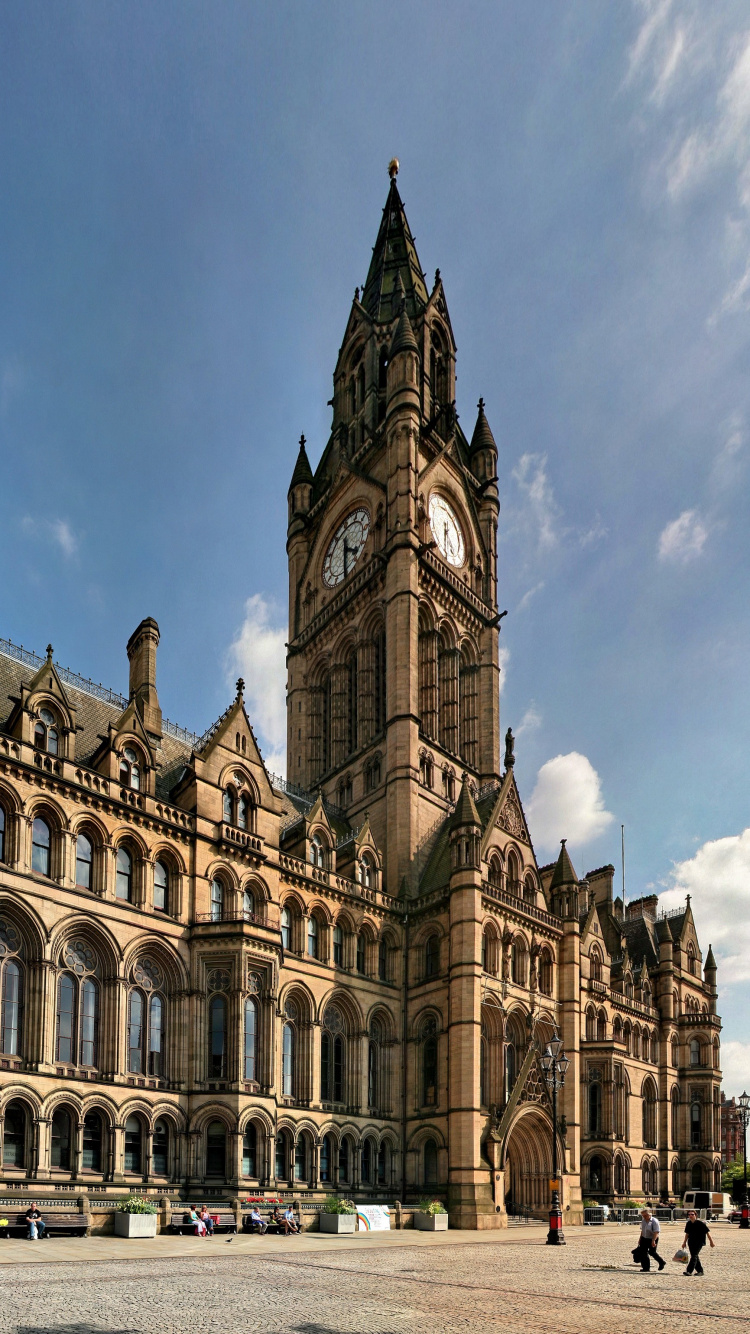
394 254
93 716
640 935
563 873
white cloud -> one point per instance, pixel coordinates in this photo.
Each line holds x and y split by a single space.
57 531
735 1067
503 658
539 512
718 880
258 653
728 462
532 719
528 595
683 539
567 802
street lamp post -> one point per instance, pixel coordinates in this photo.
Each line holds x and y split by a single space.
555 1064
744 1108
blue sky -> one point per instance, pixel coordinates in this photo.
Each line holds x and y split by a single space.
190 195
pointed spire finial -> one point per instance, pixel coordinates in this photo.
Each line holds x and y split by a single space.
393 167
49 653
356 294
480 405
240 687
302 441
437 277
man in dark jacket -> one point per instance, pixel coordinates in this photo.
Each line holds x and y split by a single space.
696 1232
34 1220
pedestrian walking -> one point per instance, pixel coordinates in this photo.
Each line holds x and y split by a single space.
646 1250
696 1233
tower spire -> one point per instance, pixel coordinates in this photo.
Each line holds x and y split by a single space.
394 253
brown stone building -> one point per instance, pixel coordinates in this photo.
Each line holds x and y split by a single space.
731 1130
216 982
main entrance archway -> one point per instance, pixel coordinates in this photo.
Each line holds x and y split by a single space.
528 1164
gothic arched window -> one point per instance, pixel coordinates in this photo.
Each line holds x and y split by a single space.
60 1137
134 1145
41 846
216 1149
287 1060
84 859
250 1151
251 1030
468 706
124 875
217 900
11 996
217 1038
430 1159
432 955
130 769
160 1148
429 1063
161 887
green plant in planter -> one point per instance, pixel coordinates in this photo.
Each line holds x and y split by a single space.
431 1207
135 1204
333 1205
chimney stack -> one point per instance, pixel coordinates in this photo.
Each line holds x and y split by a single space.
142 647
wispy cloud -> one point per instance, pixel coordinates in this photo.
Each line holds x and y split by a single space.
567 802
58 532
539 512
258 653
503 658
529 594
683 539
531 721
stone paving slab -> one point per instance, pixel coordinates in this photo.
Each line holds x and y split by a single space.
391 1283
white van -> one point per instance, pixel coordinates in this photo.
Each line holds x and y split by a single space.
716 1204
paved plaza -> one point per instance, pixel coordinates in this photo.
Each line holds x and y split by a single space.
376 1284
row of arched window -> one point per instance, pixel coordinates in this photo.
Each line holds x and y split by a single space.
506 874
699 1175
448 690
90 869
152 1151
523 967
315 937
348 705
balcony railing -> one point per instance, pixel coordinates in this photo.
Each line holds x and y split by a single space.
233 915
520 905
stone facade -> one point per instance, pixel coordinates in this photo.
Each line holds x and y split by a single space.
732 1131
216 982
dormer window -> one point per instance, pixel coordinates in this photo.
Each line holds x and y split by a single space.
130 769
365 872
46 735
317 852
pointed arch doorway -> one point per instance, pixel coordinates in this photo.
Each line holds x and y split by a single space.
528 1164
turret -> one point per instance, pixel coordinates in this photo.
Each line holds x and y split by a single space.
564 885
300 487
483 447
709 975
465 828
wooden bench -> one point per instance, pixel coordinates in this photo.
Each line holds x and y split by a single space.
227 1223
277 1228
57 1221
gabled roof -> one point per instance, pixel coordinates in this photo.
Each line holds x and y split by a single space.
641 941
394 253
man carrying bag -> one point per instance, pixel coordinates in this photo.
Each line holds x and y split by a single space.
696 1233
646 1251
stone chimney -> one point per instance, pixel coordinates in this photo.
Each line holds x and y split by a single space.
142 647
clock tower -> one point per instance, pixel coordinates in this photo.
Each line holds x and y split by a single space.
393 690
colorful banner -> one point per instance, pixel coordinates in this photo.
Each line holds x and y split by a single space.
374 1217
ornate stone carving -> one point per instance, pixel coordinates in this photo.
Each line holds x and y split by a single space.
10 942
79 957
218 979
147 974
510 818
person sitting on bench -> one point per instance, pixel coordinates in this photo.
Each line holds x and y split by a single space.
206 1220
289 1221
35 1222
257 1222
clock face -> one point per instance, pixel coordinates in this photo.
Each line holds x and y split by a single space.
446 530
346 547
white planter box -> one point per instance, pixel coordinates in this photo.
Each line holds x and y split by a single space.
430 1222
338 1222
135 1225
